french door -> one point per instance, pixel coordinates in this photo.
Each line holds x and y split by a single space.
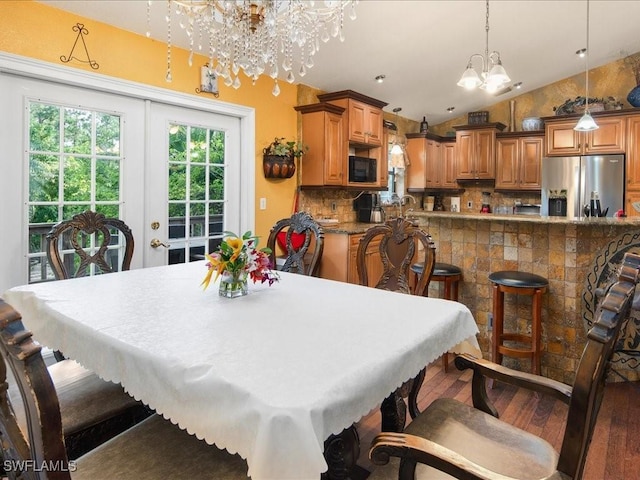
194 166
169 165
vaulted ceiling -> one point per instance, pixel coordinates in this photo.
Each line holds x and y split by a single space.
422 47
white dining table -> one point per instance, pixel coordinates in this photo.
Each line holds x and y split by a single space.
270 375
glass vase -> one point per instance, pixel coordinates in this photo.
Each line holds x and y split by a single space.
233 284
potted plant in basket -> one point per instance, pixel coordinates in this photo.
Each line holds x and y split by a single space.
278 159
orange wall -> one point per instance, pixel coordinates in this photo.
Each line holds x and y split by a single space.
45 33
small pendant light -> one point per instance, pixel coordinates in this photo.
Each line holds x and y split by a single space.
586 122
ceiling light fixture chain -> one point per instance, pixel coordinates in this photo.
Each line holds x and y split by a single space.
586 122
493 76
259 36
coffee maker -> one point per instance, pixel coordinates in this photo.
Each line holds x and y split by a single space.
368 207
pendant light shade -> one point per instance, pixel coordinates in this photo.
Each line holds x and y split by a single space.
493 76
586 123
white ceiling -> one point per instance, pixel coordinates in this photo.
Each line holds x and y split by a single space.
422 47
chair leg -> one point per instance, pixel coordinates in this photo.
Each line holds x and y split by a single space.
445 361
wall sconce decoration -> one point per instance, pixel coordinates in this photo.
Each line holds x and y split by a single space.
79 27
208 81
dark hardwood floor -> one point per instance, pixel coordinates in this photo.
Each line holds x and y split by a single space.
615 449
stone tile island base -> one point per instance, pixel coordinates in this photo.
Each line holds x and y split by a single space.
577 256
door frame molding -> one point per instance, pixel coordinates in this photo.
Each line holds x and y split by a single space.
40 70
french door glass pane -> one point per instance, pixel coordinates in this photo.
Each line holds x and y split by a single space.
196 183
75 164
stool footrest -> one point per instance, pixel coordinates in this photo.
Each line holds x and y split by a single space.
515 352
516 337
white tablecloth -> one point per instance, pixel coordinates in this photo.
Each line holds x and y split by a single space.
270 375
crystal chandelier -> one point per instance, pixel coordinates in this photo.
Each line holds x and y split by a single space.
493 76
258 36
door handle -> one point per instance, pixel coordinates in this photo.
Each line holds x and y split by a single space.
155 243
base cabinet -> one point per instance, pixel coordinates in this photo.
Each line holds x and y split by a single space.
339 258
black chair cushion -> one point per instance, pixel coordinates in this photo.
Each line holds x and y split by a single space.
513 278
439 269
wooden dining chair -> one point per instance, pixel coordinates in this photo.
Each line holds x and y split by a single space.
152 449
88 238
453 439
399 241
92 410
302 240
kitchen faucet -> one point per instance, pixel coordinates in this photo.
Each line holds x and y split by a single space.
405 200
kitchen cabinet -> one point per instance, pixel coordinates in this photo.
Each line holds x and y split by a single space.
632 192
518 161
325 163
431 163
339 258
363 116
562 140
358 131
475 146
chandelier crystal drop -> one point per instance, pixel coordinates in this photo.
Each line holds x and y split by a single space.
493 76
259 36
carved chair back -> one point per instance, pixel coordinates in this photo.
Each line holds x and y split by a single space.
301 255
399 241
42 443
73 245
588 387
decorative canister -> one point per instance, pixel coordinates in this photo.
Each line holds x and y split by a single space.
532 123
634 96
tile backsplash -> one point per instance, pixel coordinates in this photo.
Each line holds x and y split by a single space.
338 204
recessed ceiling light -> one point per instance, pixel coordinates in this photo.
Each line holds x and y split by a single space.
517 85
380 78
451 109
582 52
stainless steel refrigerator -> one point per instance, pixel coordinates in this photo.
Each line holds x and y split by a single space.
569 183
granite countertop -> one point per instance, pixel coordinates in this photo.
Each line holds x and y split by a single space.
350 228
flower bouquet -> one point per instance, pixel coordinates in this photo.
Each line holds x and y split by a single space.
236 259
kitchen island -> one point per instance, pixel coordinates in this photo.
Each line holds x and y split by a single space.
576 256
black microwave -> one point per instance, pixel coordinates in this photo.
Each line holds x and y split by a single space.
362 169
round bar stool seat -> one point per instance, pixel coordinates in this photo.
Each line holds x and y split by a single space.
451 275
519 283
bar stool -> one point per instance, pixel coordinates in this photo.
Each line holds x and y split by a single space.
451 276
519 283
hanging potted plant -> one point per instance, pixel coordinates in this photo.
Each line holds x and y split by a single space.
278 159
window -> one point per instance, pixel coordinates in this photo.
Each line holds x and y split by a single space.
196 191
74 165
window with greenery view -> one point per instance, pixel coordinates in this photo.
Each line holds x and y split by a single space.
75 163
196 191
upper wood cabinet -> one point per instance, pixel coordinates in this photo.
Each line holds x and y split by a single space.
632 192
518 161
363 116
322 131
562 140
475 147
431 163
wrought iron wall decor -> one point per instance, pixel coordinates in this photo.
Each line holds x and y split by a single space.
79 27
625 362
